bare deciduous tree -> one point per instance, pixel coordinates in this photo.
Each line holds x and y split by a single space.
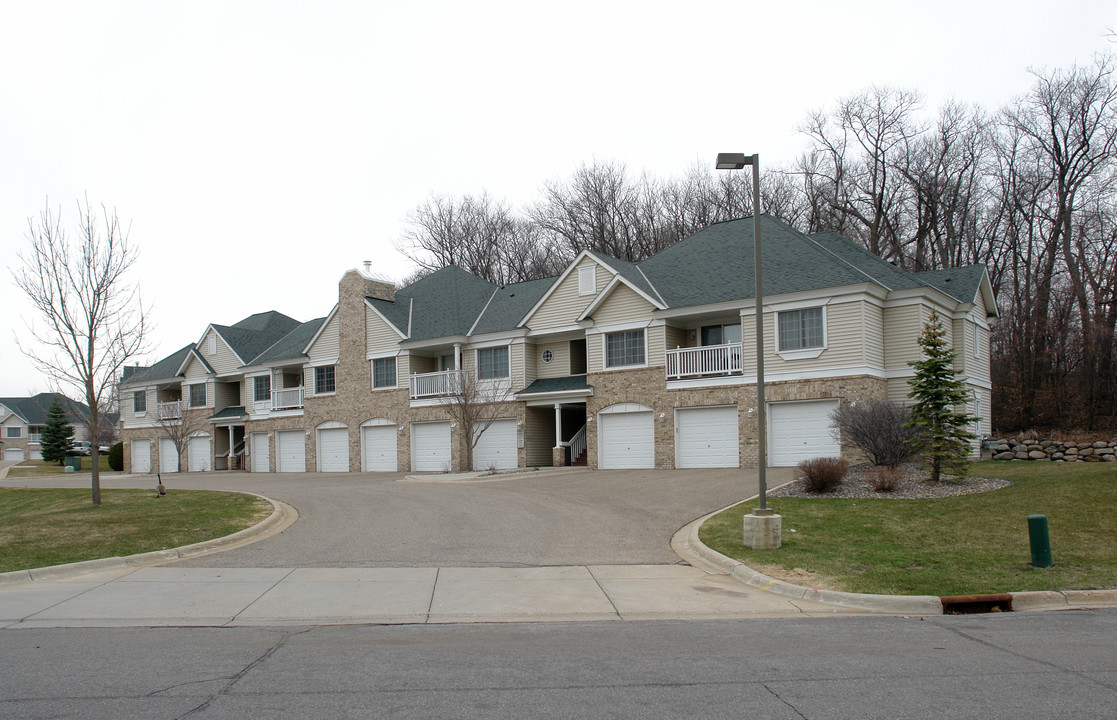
474 404
92 317
180 427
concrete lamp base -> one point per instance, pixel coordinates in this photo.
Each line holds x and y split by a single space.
762 529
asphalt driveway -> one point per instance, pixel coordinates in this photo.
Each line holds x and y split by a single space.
547 519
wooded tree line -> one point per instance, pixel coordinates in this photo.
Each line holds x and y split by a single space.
1029 190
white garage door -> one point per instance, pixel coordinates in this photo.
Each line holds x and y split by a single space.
290 451
168 456
627 441
260 451
496 448
198 453
430 447
707 438
36 455
13 454
333 450
378 448
141 456
800 431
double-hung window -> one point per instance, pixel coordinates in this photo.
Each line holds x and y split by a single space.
492 363
801 329
198 395
139 402
323 379
13 432
384 372
261 388
624 348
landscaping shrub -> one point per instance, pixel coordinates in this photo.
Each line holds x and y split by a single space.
822 475
877 428
883 478
116 457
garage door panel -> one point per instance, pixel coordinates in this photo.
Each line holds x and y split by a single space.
627 441
13 454
290 451
430 447
707 438
333 450
168 456
198 453
801 431
141 456
379 450
496 448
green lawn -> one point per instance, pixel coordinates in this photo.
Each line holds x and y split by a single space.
42 468
949 546
40 527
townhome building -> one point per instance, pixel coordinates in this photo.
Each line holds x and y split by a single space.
611 364
23 419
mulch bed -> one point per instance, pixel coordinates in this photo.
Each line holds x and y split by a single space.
913 486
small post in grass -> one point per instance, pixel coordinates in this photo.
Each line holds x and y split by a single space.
1040 540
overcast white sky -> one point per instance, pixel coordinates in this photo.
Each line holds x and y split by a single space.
260 149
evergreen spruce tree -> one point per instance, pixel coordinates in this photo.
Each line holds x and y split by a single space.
940 399
56 435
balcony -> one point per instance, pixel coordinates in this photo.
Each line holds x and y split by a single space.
168 410
287 399
435 384
35 437
706 361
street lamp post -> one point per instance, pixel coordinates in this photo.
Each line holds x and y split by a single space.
762 526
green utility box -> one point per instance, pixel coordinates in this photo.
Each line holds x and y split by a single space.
74 463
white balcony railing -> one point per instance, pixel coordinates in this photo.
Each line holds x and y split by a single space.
436 384
287 399
35 437
710 360
168 410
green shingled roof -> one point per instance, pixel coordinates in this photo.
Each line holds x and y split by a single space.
256 333
291 345
716 264
165 369
880 270
561 384
229 413
629 271
444 303
962 283
33 410
509 305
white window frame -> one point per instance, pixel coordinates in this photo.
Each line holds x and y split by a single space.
507 363
395 372
138 394
803 353
257 378
8 432
190 395
605 348
315 379
587 280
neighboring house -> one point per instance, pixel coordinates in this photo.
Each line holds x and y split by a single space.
614 364
22 421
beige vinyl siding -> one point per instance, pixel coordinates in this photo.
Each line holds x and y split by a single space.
872 323
979 308
126 406
595 348
421 364
898 390
902 326
532 363
963 351
195 370
844 342
674 337
564 305
539 437
516 371
654 345
327 345
403 370
560 363
224 360
227 395
623 305
978 367
379 335
469 362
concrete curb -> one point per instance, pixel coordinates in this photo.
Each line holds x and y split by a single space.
281 518
482 476
687 545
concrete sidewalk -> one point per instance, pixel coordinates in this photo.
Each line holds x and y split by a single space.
178 596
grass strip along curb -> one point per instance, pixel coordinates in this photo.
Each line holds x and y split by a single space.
282 516
687 545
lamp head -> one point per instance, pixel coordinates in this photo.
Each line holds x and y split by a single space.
733 161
